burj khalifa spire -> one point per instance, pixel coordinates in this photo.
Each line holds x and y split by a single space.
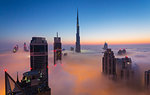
77 36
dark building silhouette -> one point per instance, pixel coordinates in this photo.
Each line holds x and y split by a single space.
105 46
71 48
25 47
15 49
122 52
118 68
147 79
39 57
77 36
57 48
108 63
34 82
124 68
13 87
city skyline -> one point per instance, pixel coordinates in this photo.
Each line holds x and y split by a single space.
113 21
103 47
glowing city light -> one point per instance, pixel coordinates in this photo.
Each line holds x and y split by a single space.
55 65
5 70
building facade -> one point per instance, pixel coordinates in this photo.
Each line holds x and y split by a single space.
108 63
35 81
57 48
124 68
39 57
147 79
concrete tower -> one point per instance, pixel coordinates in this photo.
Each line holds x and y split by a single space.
77 36
39 57
57 48
124 68
108 63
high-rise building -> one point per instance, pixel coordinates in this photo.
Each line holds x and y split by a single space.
147 79
105 46
124 68
108 63
39 57
77 36
25 47
57 48
34 82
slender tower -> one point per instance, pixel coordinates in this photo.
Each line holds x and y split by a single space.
57 48
77 36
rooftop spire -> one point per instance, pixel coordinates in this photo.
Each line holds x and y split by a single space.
57 34
17 77
77 17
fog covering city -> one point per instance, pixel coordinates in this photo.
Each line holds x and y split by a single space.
81 74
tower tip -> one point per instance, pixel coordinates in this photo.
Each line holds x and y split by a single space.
17 77
57 34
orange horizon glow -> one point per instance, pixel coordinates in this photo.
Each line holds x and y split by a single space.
109 42
101 42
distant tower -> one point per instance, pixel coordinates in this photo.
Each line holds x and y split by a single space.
57 48
108 62
78 36
124 68
147 79
105 46
39 57
25 47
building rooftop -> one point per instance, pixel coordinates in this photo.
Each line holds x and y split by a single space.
31 73
148 71
38 40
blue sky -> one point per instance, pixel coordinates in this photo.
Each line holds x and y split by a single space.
114 21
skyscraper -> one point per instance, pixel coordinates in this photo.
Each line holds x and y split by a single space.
77 36
108 62
147 79
105 46
39 57
57 48
25 47
35 81
124 68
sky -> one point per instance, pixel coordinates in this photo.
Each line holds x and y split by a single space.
113 21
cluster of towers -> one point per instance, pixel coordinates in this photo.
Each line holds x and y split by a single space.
35 81
117 68
121 68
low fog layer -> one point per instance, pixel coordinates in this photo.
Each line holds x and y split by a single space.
79 74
